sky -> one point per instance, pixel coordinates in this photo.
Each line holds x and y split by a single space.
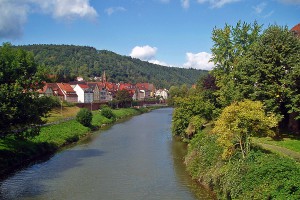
167 32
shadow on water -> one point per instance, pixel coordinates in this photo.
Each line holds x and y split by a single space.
28 183
179 150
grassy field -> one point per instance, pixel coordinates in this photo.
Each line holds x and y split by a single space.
286 142
61 113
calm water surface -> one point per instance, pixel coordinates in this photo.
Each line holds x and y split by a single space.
136 159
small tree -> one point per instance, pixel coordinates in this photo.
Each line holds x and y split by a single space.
238 122
108 113
124 98
84 117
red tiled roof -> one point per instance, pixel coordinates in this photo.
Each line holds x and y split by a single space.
296 29
83 86
66 87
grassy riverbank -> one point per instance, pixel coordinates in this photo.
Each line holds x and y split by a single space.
261 175
15 152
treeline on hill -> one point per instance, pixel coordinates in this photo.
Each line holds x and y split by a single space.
254 91
69 61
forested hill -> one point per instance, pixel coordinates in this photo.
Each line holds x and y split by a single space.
69 61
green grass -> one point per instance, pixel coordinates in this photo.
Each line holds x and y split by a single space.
62 133
57 114
289 143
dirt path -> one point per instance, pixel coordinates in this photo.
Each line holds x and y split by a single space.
281 150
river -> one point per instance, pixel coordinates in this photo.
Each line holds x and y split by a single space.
136 159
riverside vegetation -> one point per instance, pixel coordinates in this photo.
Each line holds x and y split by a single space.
250 97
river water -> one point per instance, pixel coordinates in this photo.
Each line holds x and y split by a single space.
136 159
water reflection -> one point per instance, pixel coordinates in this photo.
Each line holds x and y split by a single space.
136 159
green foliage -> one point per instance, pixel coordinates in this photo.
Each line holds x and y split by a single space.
123 98
230 45
62 133
185 109
20 107
273 66
195 125
260 175
69 61
108 113
204 157
84 117
238 122
258 67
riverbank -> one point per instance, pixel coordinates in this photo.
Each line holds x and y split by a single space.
261 175
16 153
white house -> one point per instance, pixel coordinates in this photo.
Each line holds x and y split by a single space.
85 93
162 93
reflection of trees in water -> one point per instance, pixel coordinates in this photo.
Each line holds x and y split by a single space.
179 150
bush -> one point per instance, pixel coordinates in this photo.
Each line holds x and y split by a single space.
108 113
84 117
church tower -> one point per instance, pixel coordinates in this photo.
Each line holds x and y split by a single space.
103 78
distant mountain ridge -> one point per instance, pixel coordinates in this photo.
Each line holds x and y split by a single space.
70 61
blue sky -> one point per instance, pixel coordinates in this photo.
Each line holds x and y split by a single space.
167 32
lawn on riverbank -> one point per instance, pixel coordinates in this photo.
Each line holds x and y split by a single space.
261 175
15 151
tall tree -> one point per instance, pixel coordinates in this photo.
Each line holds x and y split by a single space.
270 71
230 45
20 107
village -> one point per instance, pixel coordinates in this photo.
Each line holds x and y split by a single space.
100 92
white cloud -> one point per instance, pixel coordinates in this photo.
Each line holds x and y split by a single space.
143 52
112 10
12 18
290 1
260 7
217 3
198 61
14 13
185 3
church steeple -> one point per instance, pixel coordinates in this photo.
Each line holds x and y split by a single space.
103 77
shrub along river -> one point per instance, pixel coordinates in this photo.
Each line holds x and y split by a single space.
135 159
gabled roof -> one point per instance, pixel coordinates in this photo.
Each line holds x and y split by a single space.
296 30
126 86
145 86
92 85
66 88
85 87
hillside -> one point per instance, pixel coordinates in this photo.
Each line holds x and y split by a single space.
69 61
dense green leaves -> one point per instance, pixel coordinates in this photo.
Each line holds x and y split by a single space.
123 98
84 117
20 107
239 122
108 113
186 109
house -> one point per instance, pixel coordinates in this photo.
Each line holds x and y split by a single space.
94 86
67 92
147 90
296 30
46 91
51 89
85 93
162 93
